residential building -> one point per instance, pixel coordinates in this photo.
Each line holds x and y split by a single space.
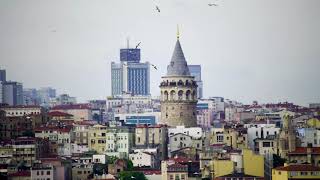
309 136
59 136
178 92
296 171
15 126
305 155
41 171
80 112
120 141
28 150
152 136
82 171
20 111
113 141
172 170
97 138
266 146
20 175
143 159
195 70
260 131
195 132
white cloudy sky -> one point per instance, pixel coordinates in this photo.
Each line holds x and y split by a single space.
249 50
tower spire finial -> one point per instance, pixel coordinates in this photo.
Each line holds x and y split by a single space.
178 32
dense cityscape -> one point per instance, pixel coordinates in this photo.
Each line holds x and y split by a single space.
130 135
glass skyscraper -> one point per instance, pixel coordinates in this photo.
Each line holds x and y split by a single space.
130 75
195 70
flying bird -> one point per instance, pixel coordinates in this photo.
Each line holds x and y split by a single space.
157 8
154 66
138 45
212 4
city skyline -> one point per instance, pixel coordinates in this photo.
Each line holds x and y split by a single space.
248 50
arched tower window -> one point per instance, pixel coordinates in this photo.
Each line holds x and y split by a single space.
172 95
166 95
180 83
180 94
188 95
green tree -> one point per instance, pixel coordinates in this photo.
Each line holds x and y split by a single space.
130 175
129 165
278 161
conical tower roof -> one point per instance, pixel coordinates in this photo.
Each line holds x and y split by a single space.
178 65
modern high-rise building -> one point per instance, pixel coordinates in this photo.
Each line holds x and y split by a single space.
12 93
2 79
130 75
30 96
3 75
178 92
45 94
195 70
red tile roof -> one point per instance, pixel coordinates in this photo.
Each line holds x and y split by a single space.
64 129
58 113
20 174
180 159
303 150
71 106
298 167
177 165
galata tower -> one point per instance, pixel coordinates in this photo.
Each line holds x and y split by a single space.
178 92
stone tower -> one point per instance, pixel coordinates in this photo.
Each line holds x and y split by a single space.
287 137
178 92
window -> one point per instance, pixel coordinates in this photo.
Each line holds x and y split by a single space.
171 177
257 133
48 172
304 173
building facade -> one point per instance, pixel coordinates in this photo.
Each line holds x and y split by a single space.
195 70
130 75
12 93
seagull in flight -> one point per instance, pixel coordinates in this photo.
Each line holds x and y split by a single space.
154 66
138 45
157 8
212 4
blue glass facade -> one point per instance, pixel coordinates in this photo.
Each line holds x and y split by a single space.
138 80
141 120
202 106
130 55
195 70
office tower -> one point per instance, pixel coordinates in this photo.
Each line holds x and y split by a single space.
30 96
195 70
2 75
12 93
178 92
130 75
45 94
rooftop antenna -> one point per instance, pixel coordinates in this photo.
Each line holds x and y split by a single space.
178 32
127 42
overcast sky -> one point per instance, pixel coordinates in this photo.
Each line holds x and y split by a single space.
249 50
